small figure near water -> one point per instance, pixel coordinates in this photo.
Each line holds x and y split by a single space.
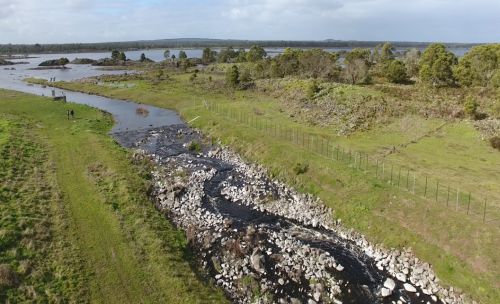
72 114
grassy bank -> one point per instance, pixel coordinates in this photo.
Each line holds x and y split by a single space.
462 249
78 225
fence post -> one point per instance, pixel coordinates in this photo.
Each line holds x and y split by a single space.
399 176
425 189
376 170
338 152
383 170
414 181
456 206
392 169
484 211
448 198
468 205
437 190
408 179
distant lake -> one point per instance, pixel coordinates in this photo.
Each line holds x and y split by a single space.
157 54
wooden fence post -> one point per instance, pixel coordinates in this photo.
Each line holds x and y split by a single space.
408 179
448 198
399 176
484 211
437 190
425 189
468 205
392 169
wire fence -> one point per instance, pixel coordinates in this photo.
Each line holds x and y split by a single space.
405 178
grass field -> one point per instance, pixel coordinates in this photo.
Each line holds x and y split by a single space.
462 250
76 223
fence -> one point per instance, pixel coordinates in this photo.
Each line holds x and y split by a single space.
395 175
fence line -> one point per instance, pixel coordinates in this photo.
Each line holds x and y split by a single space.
395 175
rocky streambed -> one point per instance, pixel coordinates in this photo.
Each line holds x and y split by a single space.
262 241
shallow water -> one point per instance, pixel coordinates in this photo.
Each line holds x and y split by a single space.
124 112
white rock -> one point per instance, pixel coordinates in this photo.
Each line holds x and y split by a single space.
390 284
409 287
384 292
401 277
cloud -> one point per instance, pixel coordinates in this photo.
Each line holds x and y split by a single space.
31 21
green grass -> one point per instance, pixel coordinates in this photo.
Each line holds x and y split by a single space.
124 250
462 250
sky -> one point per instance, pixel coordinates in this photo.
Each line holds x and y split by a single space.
64 21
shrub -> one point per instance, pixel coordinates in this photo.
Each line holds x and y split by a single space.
396 72
470 107
232 76
495 142
312 89
300 168
194 146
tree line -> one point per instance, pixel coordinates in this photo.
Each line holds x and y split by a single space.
195 43
436 65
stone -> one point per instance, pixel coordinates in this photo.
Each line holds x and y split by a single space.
256 260
281 281
401 277
390 284
385 292
317 296
409 287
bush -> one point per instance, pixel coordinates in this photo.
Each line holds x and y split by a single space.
396 72
300 168
470 107
194 146
312 89
233 76
495 142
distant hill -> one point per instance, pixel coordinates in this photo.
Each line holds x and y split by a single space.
197 43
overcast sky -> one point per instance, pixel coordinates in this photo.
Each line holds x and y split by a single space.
57 21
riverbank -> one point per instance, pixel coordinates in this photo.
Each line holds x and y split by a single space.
383 214
109 244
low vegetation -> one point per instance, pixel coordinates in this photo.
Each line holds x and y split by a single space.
76 223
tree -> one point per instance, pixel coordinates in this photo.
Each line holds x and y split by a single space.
233 76
182 55
208 56
122 56
436 65
166 54
242 55
478 66
387 53
227 55
470 107
357 53
411 60
256 53
396 72
317 63
115 54
356 71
